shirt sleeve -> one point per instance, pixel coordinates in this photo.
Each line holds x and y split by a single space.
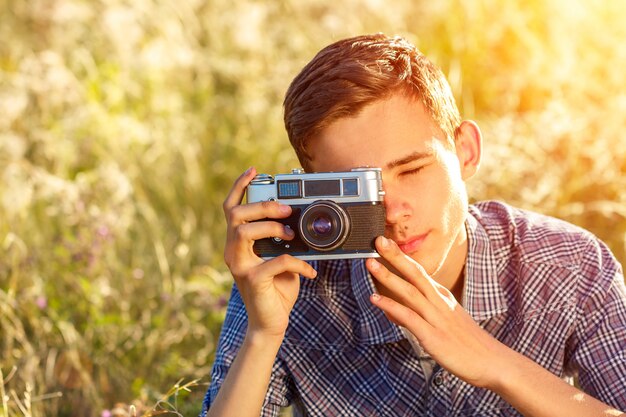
231 338
598 348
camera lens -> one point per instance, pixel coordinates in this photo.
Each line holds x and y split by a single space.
324 225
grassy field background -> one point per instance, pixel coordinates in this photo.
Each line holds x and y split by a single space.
124 123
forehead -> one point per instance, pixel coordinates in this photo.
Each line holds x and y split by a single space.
384 131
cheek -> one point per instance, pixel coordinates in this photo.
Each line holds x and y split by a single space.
452 197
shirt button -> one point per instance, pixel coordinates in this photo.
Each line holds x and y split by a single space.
438 380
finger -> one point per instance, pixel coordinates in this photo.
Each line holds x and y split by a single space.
401 290
402 316
247 233
235 196
244 213
241 235
285 263
408 268
446 296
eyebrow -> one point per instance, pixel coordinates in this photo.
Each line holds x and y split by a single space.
415 156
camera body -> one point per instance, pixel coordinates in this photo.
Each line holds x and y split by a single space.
335 215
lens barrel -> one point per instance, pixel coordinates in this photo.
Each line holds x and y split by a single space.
324 225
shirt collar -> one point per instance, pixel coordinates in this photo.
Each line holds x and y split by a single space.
484 296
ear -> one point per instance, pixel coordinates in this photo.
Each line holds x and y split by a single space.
469 147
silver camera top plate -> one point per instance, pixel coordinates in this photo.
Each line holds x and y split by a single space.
355 186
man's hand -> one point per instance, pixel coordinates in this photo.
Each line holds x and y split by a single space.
428 310
268 288
448 333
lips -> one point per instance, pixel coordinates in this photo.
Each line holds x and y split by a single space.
413 244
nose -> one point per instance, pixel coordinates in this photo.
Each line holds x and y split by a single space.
397 207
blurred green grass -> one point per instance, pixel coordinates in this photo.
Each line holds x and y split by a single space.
124 124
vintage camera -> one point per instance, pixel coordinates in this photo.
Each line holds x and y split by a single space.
335 215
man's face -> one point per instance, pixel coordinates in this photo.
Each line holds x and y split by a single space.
423 178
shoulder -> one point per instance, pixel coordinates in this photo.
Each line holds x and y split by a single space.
539 251
532 237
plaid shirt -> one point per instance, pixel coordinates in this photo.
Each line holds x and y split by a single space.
543 287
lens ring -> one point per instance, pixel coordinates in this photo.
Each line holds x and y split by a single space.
332 226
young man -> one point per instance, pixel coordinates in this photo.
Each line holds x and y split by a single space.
477 310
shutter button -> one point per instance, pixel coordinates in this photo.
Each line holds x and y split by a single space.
438 381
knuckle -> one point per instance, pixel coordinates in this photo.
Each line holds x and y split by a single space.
269 205
382 275
283 260
233 215
396 252
410 316
278 229
241 232
385 273
411 294
445 293
415 281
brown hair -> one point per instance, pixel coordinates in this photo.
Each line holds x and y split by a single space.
347 75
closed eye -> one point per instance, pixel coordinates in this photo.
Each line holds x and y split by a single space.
412 171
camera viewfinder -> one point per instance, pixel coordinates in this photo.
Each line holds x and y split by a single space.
290 189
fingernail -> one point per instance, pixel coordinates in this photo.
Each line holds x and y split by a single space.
284 209
289 231
374 265
248 171
314 273
384 242
375 297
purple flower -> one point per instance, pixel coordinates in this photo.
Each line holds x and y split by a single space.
42 302
222 301
103 231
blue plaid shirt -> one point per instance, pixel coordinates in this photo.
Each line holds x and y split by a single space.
543 287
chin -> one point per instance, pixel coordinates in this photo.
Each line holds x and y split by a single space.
425 262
